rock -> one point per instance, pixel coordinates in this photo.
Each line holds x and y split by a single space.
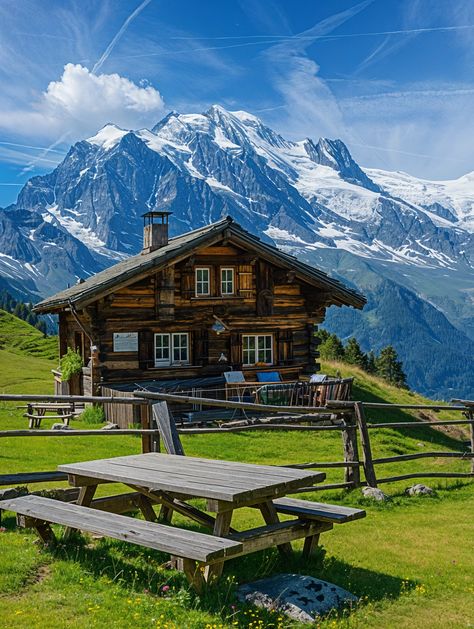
110 426
300 597
375 494
60 427
419 490
13 492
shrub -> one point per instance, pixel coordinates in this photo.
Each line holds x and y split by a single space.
71 363
93 414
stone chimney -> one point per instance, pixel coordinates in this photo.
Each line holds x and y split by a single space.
155 230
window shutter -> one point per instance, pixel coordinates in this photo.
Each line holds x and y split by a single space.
235 349
145 349
200 355
187 283
285 346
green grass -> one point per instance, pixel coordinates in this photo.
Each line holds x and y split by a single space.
410 560
19 337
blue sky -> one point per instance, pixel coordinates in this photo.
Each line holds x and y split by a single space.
393 78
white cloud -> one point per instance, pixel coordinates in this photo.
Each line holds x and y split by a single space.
80 102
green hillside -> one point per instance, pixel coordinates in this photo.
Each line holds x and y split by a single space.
19 337
409 560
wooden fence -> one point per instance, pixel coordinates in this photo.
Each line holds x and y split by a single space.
348 418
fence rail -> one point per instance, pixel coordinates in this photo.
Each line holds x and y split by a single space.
344 416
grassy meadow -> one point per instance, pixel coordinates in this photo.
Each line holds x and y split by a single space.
410 560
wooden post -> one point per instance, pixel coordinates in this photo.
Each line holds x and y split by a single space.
470 416
351 451
365 443
145 420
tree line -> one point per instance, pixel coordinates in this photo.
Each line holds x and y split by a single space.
386 364
22 311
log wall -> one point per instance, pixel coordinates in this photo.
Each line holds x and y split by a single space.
266 300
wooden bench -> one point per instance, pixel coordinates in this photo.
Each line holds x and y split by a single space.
320 512
304 510
192 548
307 510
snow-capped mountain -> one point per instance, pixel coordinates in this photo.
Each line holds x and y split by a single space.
310 198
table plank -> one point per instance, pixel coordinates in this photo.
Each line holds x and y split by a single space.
206 478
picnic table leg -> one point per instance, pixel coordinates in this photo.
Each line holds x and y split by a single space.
221 529
146 508
29 411
310 545
86 494
41 412
270 516
45 533
166 513
193 572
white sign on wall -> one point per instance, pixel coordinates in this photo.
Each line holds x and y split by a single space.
125 341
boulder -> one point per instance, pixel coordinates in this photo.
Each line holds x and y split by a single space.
419 490
13 492
300 597
375 494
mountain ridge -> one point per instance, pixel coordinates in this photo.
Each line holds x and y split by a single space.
308 197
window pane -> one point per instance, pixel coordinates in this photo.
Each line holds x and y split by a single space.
227 281
202 281
180 348
264 349
162 348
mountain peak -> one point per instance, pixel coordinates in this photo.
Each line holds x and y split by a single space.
336 155
108 136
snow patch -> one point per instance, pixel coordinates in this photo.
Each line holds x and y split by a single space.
108 136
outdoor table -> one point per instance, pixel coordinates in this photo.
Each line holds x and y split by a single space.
35 412
169 480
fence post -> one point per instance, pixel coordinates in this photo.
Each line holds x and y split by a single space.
145 420
470 416
351 451
369 469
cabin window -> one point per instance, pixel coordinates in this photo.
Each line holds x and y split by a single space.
257 348
171 349
227 281
203 282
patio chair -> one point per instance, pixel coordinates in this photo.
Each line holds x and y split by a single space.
268 376
239 392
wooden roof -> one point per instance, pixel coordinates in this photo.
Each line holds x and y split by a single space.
180 247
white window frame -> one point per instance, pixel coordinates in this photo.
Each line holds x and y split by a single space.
197 282
256 350
223 281
174 343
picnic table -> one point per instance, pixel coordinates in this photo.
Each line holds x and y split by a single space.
225 485
36 411
171 481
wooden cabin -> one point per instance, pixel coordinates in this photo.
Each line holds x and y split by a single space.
212 300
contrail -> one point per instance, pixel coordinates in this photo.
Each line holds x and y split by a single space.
118 35
391 150
43 154
259 40
340 36
29 146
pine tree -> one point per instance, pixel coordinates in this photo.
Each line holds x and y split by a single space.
371 368
354 355
390 368
332 348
